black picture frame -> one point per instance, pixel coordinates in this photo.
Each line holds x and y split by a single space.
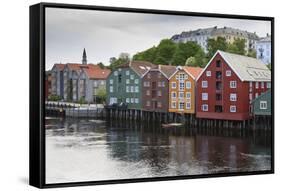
37 87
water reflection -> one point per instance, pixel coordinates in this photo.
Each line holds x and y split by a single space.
87 150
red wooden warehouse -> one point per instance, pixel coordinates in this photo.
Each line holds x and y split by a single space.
228 84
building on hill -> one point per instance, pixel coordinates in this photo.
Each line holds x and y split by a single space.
228 84
123 85
182 89
201 36
75 82
155 88
263 49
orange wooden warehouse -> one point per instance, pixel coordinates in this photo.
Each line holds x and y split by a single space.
182 89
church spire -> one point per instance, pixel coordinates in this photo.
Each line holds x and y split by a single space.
84 57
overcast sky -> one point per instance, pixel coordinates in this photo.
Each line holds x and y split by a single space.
107 34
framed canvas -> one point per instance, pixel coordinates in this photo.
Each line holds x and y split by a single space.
122 95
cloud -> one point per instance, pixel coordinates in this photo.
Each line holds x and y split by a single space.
106 34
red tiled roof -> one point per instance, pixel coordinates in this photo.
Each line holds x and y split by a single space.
59 66
95 72
194 71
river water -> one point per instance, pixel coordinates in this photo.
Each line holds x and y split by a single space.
91 150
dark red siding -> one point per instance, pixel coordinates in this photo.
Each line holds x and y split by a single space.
242 91
157 102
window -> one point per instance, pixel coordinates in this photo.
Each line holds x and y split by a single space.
159 104
218 97
257 85
110 81
119 78
262 85
159 93
232 84
174 85
110 89
102 82
115 73
163 84
188 85
228 72
173 105
174 94
132 89
204 96
181 95
136 89
232 109
233 97
127 81
251 84
146 84
148 103
181 105
181 76
127 89
208 73
204 84
159 75
218 63
127 100
136 81
148 75
218 75
256 95
181 86
188 95
188 105
136 100
268 85
250 97
132 77
147 92
263 104
132 100
204 107
127 73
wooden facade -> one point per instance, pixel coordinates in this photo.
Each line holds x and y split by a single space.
123 85
182 89
262 104
227 85
155 88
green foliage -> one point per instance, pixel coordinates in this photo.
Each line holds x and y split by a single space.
101 65
82 100
237 47
54 98
165 51
214 45
252 53
269 66
191 61
101 94
147 55
123 58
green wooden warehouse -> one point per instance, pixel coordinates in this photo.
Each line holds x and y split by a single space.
262 104
123 85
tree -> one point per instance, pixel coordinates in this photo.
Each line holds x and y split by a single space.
147 55
237 46
165 52
123 58
190 61
101 65
252 53
216 44
101 94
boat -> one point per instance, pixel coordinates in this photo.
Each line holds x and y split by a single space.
170 125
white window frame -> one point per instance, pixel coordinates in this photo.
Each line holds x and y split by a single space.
187 105
188 95
181 103
262 85
208 73
204 84
136 81
263 104
188 85
137 89
250 96
233 97
132 89
136 100
111 81
159 93
233 84
172 95
228 73
132 100
204 107
257 85
127 73
127 89
132 76
204 96
148 104
181 88
127 81
147 92
115 73
181 95
127 100
173 105
111 89
268 85
232 109
174 85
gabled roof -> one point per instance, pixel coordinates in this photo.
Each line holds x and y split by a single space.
140 67
193 71
166 70
268 92
59 66
246 68
95 72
